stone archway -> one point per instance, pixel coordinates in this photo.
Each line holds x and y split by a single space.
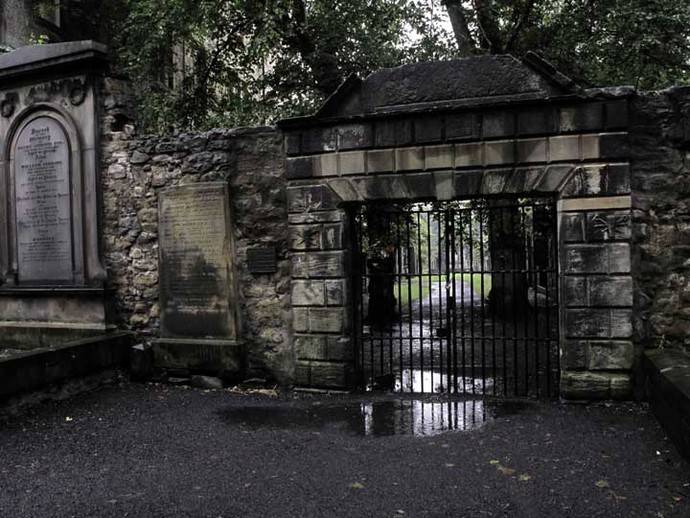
574 150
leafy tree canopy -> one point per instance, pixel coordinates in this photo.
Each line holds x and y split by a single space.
247 62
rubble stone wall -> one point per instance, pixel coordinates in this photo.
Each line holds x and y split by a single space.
577 152
660 158
135 168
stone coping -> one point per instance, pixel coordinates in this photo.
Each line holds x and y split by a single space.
29 59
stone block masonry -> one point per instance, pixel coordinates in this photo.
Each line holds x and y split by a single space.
318 291
575 152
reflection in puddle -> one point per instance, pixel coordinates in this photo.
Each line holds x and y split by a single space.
418 381
422 418
377 418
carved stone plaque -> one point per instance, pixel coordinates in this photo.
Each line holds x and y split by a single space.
195 262
42 202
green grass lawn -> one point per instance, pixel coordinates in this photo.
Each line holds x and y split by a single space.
410 293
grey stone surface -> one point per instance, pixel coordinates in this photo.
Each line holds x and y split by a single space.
463 126
35 57
222 357
308 293
536 121
606 180
611 355
355 136
661 223
197 292
251 162
610 291
582 117
50 237
428 129
573 227
476 77
58 362
595 385
327 320
42 201
668 388
394 132
498 123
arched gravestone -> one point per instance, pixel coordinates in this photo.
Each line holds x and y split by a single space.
42 195
52 279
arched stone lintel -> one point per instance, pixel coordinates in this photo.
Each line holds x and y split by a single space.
448 185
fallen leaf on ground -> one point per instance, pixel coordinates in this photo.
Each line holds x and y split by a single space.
506 471
601 484
524 477
356 485
494 461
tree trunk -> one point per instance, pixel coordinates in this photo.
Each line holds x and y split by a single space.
324 66
381 267
508 296
461 29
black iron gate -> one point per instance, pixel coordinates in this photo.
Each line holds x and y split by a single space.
457 297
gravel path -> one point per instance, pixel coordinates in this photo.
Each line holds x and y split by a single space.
155 451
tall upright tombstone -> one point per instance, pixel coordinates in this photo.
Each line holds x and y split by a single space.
51 274
199 312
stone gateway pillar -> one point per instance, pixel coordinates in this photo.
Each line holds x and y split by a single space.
51 274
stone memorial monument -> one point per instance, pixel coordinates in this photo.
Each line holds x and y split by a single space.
199 317
51 274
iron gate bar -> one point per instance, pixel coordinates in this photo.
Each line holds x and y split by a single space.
462 304
420 269
472 347
528 269
493 321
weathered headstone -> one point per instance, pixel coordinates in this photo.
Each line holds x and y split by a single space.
42 198
199 323
194 247
52 279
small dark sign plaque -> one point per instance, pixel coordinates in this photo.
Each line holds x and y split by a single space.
262 260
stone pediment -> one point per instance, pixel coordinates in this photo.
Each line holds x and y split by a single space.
469 81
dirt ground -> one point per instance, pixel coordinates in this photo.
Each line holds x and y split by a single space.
160 450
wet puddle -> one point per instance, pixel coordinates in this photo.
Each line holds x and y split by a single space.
376 418
419 381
